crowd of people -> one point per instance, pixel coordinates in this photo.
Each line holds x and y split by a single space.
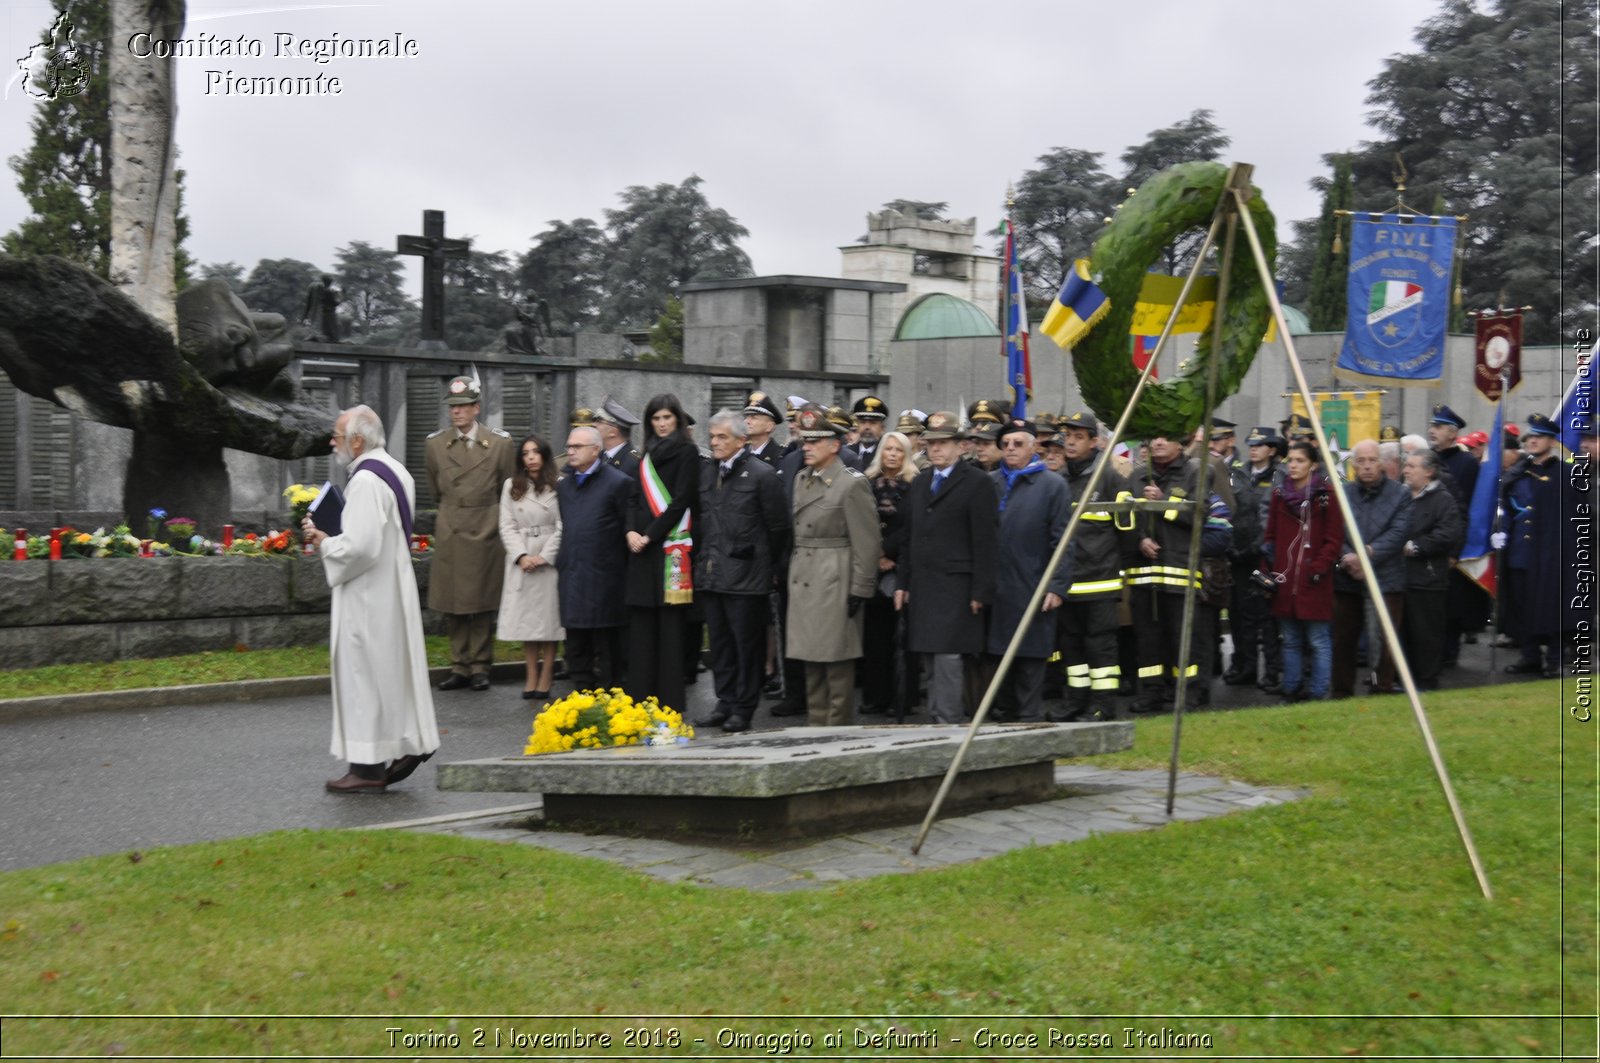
902 563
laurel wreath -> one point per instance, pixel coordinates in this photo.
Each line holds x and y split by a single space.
1174 201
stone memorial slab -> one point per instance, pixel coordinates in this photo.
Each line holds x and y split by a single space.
793 781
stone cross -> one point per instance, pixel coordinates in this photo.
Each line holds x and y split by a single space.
434 249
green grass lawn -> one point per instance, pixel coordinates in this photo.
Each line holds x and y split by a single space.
1355 910
216 666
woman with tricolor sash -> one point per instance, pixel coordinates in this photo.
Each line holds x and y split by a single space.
661 541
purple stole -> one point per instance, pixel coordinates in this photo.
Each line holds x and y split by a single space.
386 474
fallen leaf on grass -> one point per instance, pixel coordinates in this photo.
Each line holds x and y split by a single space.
49 976
134 858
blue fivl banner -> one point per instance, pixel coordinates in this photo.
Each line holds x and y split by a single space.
1399 292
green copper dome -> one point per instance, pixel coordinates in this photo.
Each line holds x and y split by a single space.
938 316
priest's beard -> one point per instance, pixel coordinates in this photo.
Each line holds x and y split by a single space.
342 454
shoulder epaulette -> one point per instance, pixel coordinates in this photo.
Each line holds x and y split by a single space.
440 432
857 473
502 433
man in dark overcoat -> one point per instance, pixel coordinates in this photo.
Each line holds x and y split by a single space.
741 531
1540 578
947 570
1035 505
593 563
467 464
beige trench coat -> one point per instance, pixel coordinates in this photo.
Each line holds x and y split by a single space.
467 555
836 547
530 609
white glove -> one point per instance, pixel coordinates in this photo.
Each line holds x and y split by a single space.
1498 540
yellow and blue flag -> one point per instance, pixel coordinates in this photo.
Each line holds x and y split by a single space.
1078 307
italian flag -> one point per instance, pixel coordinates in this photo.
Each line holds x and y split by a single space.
1390 297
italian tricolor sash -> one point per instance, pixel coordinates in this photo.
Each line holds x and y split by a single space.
678 577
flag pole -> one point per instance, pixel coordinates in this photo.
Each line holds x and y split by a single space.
1369 576
1005 289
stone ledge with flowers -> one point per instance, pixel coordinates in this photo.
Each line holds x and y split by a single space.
792 782
107 594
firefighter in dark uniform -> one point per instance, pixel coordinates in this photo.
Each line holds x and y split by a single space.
1102 545
1161 573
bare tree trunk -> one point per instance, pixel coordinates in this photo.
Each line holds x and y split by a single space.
144 191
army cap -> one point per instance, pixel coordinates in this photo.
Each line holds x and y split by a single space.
1222 428
1297 425
1263 436
613 412
910 423
870 408
461 391
1443 414
984 411
986 431
794 404
814 422
1081 419
761 403
582 417
840 419
943 425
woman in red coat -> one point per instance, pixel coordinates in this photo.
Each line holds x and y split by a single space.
1304 535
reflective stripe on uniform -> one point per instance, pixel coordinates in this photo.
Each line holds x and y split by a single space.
1150 671
1078 676
1096 586
1192 670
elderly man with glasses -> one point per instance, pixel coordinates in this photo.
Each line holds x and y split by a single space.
593 562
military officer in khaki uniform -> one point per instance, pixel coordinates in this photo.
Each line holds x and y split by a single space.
467 464
833 570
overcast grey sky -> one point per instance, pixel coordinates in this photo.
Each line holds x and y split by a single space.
800 116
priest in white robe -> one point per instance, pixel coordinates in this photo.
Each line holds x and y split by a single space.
383 721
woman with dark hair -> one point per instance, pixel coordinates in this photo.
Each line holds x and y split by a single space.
1302 542
530 530
660 540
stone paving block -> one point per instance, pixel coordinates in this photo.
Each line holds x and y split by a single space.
754 875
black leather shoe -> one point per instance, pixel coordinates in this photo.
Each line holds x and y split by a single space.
734 724
788 708
479 681
712 719
1525 668
351 783
772 687
402 767
456 681
1238 679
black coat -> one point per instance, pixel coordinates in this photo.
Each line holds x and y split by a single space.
1036 514
1543 517
677 462
742 530
948 560
594 548
1436 532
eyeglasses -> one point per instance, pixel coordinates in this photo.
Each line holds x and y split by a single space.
581 446
1013 444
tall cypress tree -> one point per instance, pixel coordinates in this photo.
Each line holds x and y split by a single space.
1326 303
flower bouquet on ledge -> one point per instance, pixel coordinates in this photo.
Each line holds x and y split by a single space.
591 719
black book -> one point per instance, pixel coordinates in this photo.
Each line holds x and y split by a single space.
327 509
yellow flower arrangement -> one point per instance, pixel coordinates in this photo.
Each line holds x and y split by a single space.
300 498
591 719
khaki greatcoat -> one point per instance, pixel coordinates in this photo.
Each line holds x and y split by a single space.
836 547
467 554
